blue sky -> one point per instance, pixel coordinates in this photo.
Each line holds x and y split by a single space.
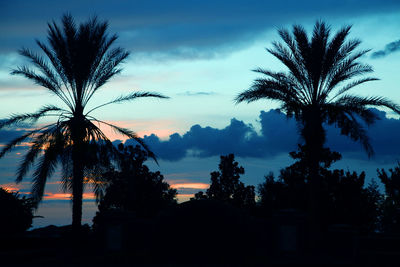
201 53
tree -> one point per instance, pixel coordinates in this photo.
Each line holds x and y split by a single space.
343 197
226 185
77 62
391 183
391 204
315 89
133 187
16 213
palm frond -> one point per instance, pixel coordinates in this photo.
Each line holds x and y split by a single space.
34 151
7 148
351 85
46 167
350 127
30 117
131 135
269 89
42 65
129 97
372 101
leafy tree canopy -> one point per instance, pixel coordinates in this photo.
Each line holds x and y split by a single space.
131 186
226 185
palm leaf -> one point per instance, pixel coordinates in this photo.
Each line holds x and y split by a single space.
31 117
129 97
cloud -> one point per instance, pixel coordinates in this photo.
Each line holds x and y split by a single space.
389 49
278 135
10 133
179 28
190 93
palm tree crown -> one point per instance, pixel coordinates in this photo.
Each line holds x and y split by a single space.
77 62
315 89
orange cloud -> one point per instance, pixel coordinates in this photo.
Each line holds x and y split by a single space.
66 196
190 186
162 128
10 187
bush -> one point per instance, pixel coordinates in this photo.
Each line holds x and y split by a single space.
16 212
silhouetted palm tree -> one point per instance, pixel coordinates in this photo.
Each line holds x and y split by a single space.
78 61
321 71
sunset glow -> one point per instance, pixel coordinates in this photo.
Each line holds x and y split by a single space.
67 196
190 186
161 128
10 187
184 197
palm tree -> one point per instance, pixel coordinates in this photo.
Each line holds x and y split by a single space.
322 70
315 89
77 62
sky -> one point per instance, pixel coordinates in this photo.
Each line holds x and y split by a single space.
200 54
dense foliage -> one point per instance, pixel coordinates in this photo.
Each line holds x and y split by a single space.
16 212
226 186
343 198
391 204
132 187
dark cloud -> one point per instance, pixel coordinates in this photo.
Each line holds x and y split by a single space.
10 133
179 28
278 135
389 48
190 93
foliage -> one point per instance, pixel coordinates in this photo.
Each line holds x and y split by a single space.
16 212
391 204
78 60
392 184
133 187
342 198
226 185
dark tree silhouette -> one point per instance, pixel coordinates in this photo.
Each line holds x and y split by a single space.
16 213
77 62
133 187
341 199
226 185
391 204
392 184
315 90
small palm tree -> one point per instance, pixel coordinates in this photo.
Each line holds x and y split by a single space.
315 89
78 61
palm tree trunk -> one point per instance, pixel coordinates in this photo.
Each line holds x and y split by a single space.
77 172
314 136
77 192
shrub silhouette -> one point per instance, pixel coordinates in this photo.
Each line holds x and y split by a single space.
391 204
132 187
226 185
16 213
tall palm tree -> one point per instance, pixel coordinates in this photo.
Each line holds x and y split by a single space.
77 62
315 89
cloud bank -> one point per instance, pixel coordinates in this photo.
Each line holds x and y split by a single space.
278 135
177 28
389 49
